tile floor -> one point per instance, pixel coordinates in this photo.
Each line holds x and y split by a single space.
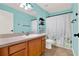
57 51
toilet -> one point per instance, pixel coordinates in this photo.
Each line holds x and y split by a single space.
49 43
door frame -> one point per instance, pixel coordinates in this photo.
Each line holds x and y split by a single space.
74 29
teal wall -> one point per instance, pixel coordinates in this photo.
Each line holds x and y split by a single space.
44 14
21 18
21 21
74 9
41 13
75 29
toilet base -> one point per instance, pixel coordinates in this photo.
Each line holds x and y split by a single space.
49 43
49 46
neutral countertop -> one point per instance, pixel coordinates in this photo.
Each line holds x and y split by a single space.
17 39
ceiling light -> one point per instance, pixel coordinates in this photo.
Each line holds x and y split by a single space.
25 6
29 6
22 5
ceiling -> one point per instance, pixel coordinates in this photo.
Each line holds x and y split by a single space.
16 6
50 7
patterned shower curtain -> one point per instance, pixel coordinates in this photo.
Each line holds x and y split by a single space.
58 30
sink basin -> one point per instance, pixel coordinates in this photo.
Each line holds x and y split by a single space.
33 34
30 35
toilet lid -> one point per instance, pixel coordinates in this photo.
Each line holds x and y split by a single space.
48 40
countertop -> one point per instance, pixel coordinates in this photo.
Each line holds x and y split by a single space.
18 39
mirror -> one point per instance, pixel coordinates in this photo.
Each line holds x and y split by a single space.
6 22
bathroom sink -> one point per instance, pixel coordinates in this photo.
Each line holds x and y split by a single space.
30 35
33 35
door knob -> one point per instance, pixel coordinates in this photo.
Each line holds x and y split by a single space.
76 35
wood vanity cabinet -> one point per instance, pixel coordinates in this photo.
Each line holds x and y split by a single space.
14 50
4 51
17 50
37 46
33 47
26 49
20 53
43 44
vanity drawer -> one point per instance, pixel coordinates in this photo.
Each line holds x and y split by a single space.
20 53
15 48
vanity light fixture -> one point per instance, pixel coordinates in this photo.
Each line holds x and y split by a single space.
22 5
26 6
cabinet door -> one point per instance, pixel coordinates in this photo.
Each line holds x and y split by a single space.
20 53
43 44
35 47
4 51
26 49
17 47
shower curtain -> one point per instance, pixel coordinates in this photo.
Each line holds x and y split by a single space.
58 29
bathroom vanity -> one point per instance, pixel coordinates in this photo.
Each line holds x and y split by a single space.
31 45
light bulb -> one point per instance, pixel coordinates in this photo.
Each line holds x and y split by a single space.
29 6
22 5
26 8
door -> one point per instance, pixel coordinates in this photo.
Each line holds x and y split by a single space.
74 33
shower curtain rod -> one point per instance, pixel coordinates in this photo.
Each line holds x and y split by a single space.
59 14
